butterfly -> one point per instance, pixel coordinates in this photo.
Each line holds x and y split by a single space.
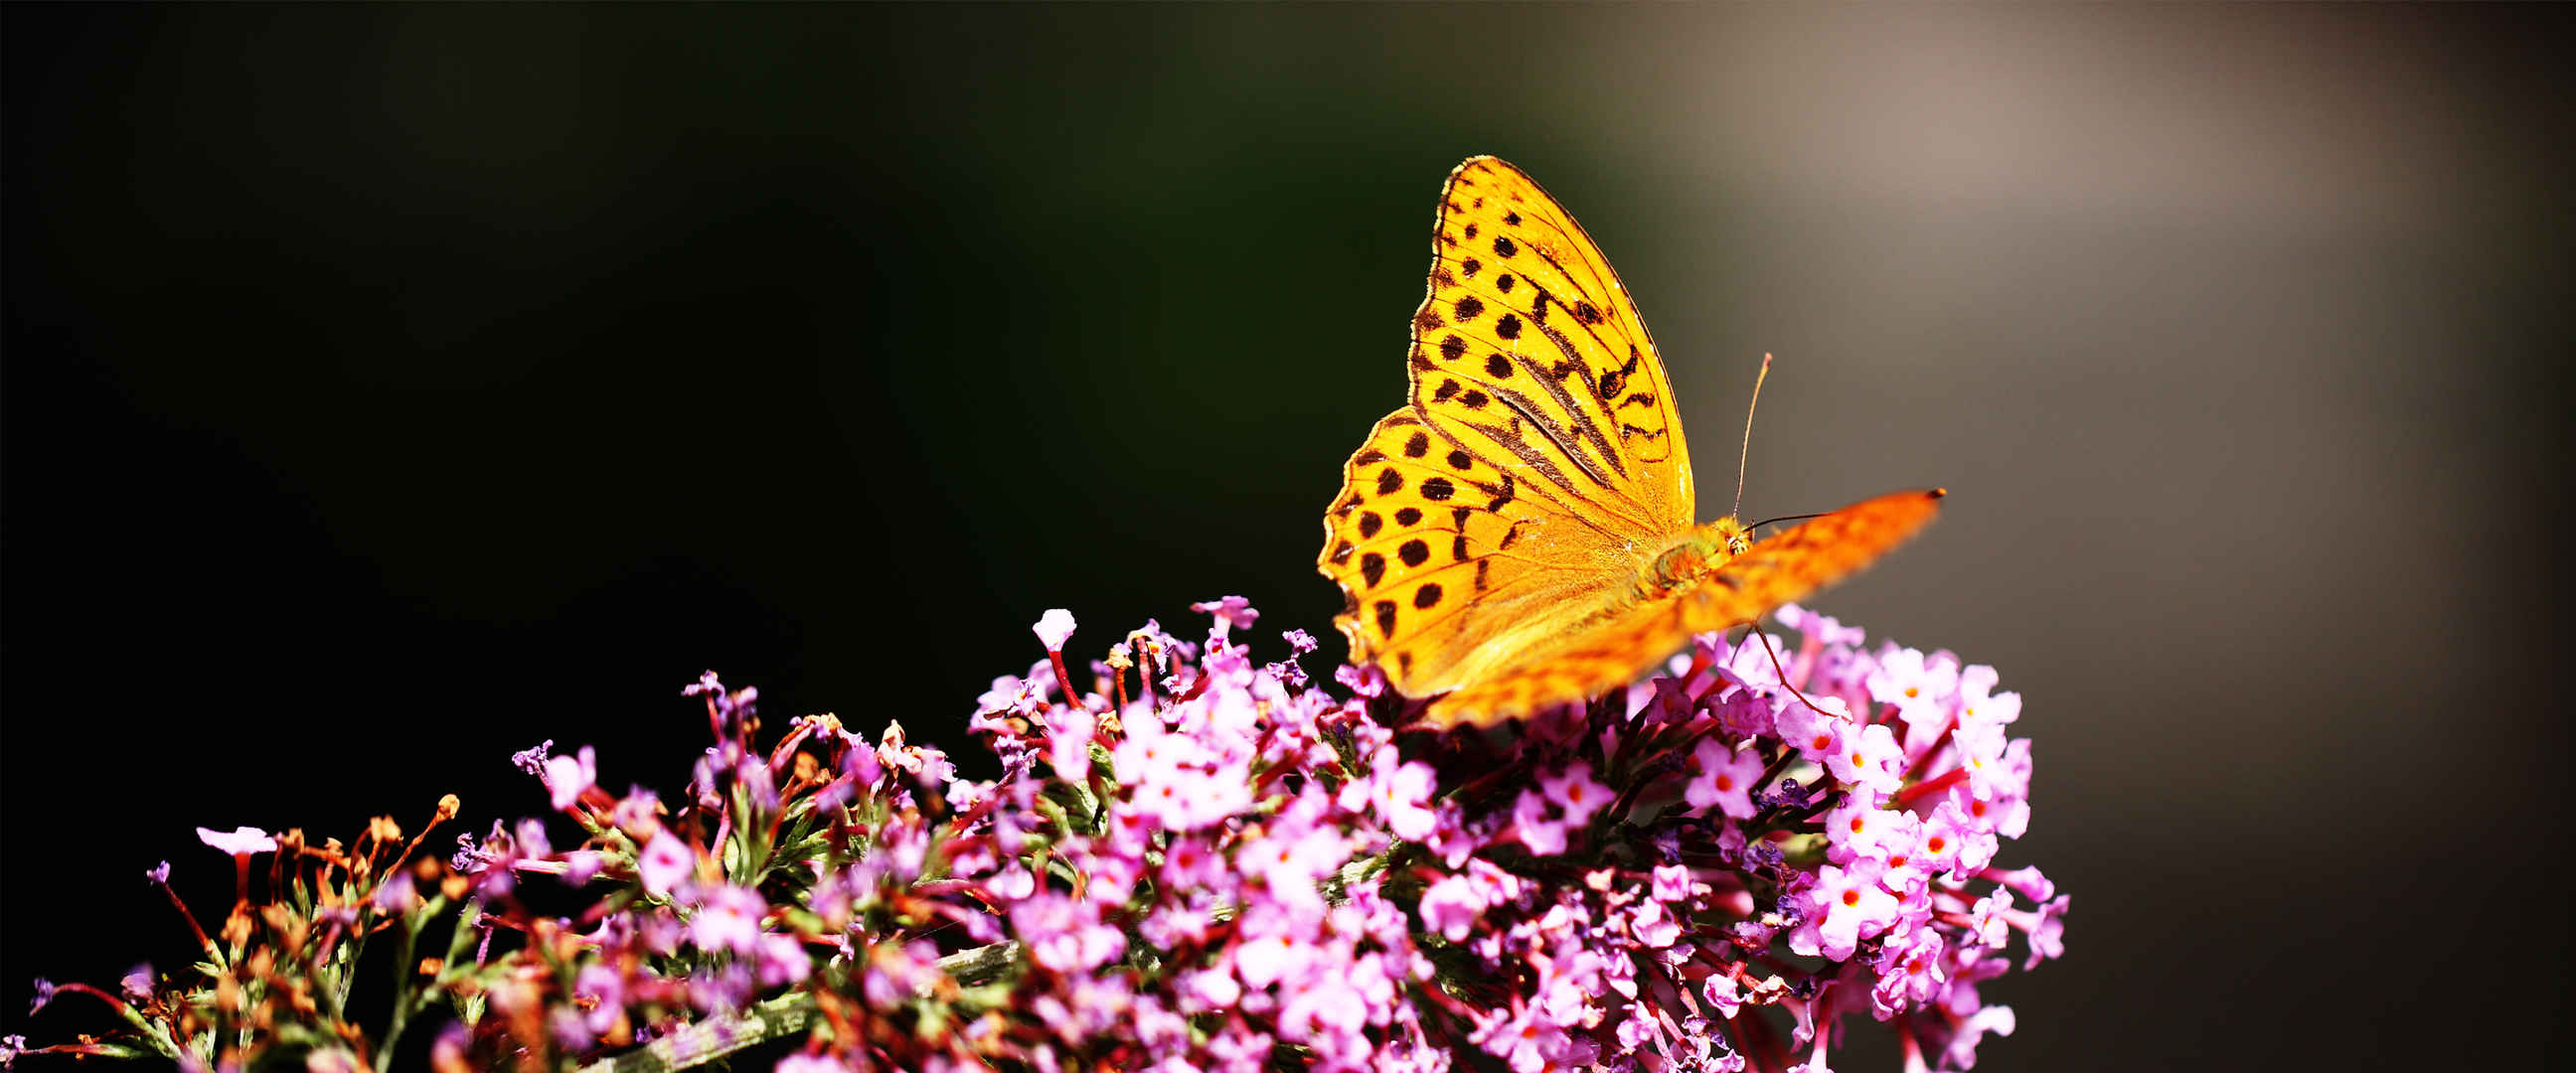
1521 533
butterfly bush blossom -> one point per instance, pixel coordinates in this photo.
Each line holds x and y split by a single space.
1207 862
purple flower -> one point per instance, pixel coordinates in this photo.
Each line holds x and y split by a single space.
533 759
605 992
783 960
394 895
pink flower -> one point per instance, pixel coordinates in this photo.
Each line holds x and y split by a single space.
1069 730
1726 779
1653 926
1543 836
1817 733
1673 883
568 777
1858 830
1064 933
1869 759
666 862
1202 990
1844 907
1399 793
1822 629
1232 611
1918 686
1576 793
1054 628
239 841
1266 959
1450 906
728 918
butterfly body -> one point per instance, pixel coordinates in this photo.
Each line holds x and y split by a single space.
1521 534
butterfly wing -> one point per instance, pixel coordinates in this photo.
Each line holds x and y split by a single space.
1540 465
1611 647
1449 563
1528 349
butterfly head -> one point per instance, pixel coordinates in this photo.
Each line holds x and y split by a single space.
1705 549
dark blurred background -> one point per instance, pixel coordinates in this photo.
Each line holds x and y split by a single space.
390 388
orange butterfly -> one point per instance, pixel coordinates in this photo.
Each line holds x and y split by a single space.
1521 533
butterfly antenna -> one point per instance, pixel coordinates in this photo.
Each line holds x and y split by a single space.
1787 518
1746 454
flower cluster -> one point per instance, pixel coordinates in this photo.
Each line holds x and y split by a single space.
1229 865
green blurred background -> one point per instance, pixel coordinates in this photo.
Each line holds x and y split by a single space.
389 388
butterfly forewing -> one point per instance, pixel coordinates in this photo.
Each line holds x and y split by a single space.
1609 648
1526 348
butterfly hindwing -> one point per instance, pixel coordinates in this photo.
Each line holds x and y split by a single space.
1441 557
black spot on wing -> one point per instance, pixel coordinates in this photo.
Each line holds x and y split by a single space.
1417 446
1413 553
1370 523
1409 517
1428 596
1372 567
1386 618
1438 489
